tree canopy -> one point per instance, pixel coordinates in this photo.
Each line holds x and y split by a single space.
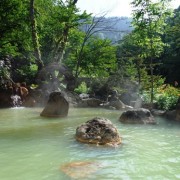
36 33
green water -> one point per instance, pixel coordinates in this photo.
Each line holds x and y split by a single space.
34 148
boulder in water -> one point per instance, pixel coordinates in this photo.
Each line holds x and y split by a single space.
80 170
137 116
57 106
98 131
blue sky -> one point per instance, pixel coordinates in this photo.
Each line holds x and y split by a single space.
112 7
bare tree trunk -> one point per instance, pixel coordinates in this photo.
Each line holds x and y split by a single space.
152 75
35 37
61 44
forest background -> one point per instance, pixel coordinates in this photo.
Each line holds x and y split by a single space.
37 36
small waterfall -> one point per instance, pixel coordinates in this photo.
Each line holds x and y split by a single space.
16 101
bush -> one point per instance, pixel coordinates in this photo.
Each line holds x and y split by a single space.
167 97
167 102
82 88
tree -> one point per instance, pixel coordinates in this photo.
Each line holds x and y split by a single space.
170 58
149 23
87 34
98 59
130 62
14 31
55 25
35 36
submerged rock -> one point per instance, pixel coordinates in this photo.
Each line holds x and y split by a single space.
137 116
57 106
98 131
78 170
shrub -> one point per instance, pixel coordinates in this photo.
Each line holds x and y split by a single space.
167 97
82 88
166 102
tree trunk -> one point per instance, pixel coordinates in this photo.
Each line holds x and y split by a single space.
152 73
61 44
35 37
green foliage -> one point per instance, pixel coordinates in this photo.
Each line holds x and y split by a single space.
130 62
167 102
97 83
98 58
171 64
149 21
82 88
59 29
14 31
4 73
56 20
27 73
167 97
146 84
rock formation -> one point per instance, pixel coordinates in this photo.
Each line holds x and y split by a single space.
57 106
98 131
137 116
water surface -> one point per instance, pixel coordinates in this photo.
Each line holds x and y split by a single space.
34 148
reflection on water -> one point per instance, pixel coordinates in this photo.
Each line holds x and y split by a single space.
35 148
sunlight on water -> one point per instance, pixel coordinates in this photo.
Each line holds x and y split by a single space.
35 148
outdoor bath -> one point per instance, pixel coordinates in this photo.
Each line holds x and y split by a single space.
39 148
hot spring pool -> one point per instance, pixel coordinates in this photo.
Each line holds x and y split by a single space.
35 148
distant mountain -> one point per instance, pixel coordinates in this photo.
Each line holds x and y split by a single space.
113 28
120 27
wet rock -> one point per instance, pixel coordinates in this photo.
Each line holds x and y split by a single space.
157 112
116 104
84 96
98 131
29 102
90 102
80 170
5 100
173 114
170 115
57 106
137 116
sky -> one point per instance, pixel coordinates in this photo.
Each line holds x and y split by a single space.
112 7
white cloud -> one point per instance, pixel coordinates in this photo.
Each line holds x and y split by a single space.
112 7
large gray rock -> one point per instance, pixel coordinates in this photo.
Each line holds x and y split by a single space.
137 116
57 106
98 131
90 102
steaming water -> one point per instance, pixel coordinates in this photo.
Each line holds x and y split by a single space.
34 148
